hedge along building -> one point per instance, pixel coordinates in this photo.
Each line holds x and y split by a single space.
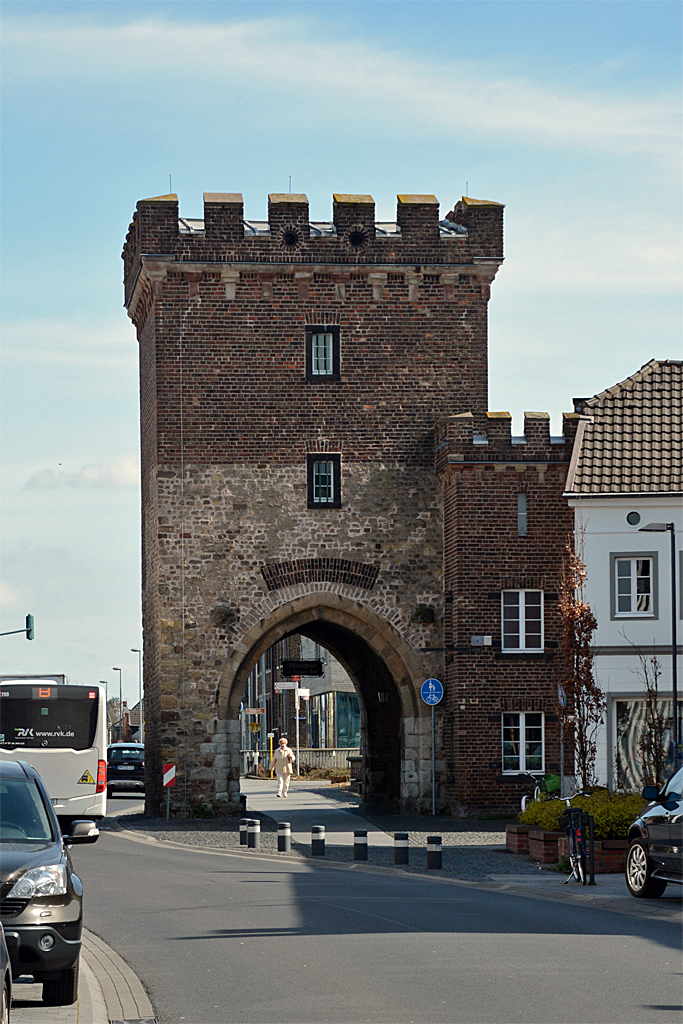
291 376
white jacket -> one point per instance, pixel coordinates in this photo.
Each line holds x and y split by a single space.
282 761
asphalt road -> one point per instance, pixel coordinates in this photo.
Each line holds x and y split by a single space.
235 939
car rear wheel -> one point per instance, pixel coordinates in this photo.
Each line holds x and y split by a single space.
639 873
64 990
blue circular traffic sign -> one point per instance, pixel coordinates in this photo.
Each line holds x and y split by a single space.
432 691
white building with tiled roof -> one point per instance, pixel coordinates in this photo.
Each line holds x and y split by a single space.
625 475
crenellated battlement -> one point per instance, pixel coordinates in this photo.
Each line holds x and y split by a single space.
469 236
466 438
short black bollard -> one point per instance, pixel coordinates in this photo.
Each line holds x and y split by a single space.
401 848
254 834
434 852
284 837
243 831
360 845
317 840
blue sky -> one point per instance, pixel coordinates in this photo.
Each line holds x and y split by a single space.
569 113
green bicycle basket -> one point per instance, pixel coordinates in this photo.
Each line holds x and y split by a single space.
551 783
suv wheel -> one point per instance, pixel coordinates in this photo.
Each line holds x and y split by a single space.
6 999
63 991
639 873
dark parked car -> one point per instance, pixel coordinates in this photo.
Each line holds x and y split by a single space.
6 973
656 841
125 767
41 896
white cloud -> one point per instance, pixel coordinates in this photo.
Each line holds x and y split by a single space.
8 596
121 472
357 81
68 342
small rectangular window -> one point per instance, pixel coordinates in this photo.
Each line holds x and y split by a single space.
634 585
521 515
322 352
324 481
523 742
522 620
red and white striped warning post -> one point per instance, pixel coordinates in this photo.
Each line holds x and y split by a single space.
169 780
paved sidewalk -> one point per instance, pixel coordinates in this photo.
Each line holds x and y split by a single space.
108 991
303 808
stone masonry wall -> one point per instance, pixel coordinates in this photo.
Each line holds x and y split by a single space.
228 418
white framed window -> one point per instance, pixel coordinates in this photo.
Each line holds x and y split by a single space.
321 354
522 620
523 742
633 585
324 481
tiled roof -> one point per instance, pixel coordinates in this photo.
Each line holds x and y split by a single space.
630 439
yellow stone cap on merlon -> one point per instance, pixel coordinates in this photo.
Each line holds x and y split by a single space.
537 415
347 199
224 198
170 198
499 415
480 202
287 197
423 200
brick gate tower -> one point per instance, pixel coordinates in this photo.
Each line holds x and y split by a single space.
291 377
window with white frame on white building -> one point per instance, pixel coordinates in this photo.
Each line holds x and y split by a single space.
523 741
522 620
633 585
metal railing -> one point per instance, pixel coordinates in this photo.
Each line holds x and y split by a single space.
309 757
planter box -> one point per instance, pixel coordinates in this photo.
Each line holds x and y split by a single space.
543 845
517 838
610 855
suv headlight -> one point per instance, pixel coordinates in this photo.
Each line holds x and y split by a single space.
47 881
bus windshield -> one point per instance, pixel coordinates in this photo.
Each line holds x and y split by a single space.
55 717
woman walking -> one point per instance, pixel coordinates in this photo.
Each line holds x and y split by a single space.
282 762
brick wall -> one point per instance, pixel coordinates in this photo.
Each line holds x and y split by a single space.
227 420
483 556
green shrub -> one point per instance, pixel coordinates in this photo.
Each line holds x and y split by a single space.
612 812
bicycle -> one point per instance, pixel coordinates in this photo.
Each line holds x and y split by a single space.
576 845
546 787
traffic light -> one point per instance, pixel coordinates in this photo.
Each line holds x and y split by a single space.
30 633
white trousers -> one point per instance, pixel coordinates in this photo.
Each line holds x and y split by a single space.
283 784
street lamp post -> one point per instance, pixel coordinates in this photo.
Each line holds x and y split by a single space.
105 684
671 529
120 671
141 736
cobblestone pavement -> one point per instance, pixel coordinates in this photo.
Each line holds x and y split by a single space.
472 850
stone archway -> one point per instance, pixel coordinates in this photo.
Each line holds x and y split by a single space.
377 659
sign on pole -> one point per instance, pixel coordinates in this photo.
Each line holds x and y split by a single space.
254 711
169 781
431 693
285 685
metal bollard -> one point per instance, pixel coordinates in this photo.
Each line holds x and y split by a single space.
284 837
360 845
434 859
243 831
254 834
401 848
317 840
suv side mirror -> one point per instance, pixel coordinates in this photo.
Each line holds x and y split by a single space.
650 793
82 831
